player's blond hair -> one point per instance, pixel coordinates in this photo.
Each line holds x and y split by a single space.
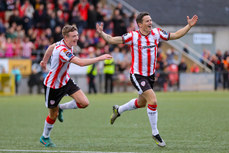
68 28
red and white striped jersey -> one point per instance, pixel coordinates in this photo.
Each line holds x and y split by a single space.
144 50
58 74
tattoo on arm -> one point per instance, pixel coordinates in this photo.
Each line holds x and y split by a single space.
108 37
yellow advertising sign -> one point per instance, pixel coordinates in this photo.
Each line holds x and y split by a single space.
24 65
7 84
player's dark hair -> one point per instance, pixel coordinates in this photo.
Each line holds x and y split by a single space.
68 28
140 16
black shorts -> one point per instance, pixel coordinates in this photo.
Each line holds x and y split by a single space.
142 83
54 96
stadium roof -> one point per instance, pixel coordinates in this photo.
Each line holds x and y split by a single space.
174 12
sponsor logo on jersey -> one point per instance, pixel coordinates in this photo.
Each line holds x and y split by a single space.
69 54
146 47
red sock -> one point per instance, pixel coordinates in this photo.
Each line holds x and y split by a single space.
78 105
136 103
49 120
152 107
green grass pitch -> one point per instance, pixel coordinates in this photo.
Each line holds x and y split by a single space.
189 122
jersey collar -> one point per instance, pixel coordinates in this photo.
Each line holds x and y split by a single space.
143 34
66 44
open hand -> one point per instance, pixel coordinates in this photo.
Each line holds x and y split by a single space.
99 28
105 56
43 65
192 21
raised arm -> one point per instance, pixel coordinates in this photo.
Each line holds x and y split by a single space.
106 37
47 55
180 33
85 62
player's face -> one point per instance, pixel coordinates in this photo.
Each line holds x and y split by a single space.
72 38
146 24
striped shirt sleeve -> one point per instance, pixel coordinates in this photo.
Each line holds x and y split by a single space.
163 34
127 38
65 55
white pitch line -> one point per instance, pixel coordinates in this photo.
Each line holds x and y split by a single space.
9 150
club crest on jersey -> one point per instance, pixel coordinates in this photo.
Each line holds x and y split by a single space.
64 50
52 102
143 83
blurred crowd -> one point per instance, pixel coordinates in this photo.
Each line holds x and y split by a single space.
28 27
220 61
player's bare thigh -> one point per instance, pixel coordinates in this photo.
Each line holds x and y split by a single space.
80 98
149 97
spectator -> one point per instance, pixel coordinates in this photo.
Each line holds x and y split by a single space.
117 57
57 36
226 73
171 53
182 67
27 47
83 7
40 17
51 16
76 18
91 73
2 27
120 8
32 34
172 70
109 71
119 25
35 78
99 10
60 18
27 17
218 69
18 47
106 12
92 16
11 33
17 77
206 56
195 68
9 48
20 32
15 18
2 44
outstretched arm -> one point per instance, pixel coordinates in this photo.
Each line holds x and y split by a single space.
85 62
180 33
106 37
47 55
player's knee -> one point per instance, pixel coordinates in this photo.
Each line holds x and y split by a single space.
83 104
153 102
